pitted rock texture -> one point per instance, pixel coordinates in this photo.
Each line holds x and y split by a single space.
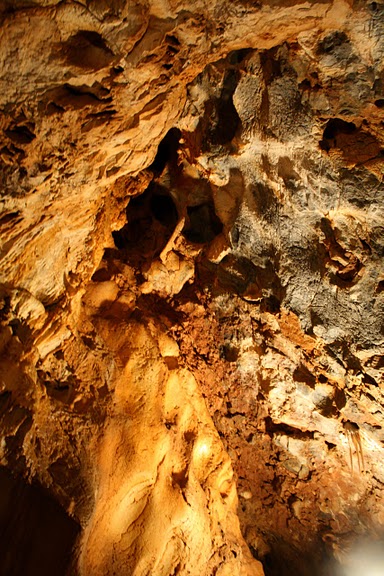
192 279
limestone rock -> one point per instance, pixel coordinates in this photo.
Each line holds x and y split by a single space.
191 282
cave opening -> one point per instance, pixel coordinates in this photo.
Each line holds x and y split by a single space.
164 210
203 224
224 118
167 151
37 537
357 145
87 49
151 219
333 130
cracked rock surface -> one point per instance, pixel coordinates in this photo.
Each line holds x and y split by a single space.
191 285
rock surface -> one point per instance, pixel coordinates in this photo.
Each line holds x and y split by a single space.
192 280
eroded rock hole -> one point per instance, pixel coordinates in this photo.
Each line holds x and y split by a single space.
237 56
87 49
21 134
336 43
333 131
203 224
229 353
380 287
151 219
164 210
167 151
357 145
224 118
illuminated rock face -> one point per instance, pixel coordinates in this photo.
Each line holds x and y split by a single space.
165 492
192 282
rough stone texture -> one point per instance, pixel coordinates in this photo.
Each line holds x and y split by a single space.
192 281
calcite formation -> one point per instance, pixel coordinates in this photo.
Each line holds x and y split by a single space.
191 286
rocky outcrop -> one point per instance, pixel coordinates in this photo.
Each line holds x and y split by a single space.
191 279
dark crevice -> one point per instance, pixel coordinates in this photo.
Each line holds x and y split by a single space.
21 134
271 65
380 287
9 217
272 428
167 151
87 49
334 128
238 56
229 353
172 40
164 210
222 114
276 563
331 42
302 374
96 91
340 398
203 225
71 97
151 219
37 536
367 379
357 145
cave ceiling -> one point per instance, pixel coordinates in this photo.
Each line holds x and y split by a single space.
191 287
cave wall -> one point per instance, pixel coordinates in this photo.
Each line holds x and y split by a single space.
191 279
